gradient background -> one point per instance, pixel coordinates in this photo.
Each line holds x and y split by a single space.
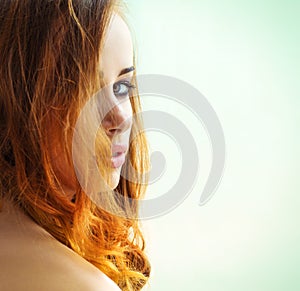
244 57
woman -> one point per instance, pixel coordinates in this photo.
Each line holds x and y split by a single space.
54 232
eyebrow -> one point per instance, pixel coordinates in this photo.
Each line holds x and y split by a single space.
126 70
123 72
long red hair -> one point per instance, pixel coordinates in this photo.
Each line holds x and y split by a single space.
49 55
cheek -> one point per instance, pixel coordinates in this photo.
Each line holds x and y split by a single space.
129 112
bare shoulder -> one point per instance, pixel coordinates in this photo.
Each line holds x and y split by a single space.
31 259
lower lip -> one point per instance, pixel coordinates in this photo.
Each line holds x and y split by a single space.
118 161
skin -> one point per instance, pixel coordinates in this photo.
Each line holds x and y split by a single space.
30 258
117 122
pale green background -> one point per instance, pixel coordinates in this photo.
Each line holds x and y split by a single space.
244 57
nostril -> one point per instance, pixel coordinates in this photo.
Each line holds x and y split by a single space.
113 131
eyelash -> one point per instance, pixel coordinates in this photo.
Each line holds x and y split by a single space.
127 84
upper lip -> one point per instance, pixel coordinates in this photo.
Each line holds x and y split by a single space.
118 148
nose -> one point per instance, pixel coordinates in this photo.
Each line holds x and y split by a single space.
118 119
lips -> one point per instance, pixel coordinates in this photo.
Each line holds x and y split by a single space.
118 155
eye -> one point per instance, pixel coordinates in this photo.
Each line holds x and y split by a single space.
122 88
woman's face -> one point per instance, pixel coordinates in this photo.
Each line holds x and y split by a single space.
117 71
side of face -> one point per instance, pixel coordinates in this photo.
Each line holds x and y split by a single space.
116 68
117 71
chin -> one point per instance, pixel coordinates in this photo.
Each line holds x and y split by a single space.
115 178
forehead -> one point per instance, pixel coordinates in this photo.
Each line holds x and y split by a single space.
117 52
